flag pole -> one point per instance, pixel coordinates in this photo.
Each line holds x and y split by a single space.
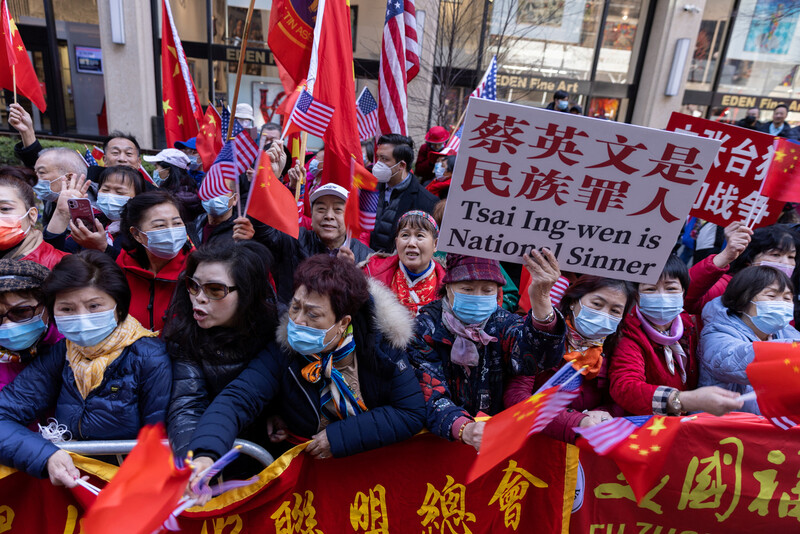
245 36
301 157
14 76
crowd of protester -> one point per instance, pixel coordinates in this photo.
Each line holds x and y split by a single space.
168 309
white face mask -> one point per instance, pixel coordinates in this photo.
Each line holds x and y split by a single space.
383 173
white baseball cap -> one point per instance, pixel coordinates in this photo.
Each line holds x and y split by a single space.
244 111
329 189
171 156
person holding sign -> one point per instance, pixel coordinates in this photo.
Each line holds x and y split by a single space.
593 308
653 368
756 306
466 347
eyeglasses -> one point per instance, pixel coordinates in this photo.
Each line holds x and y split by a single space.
19 314
212 290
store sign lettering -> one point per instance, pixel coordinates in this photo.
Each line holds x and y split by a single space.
537 84
747 102
252 56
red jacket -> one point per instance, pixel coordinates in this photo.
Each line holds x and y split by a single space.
382 268
638 367
45 254
707 283
151 293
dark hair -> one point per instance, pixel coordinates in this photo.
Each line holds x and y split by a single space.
120 135
271 126
129 175
403 148
178 179
417 222
343 282
675 268
748 283
451 163
132 214
88 268
781 105
369 147
576 109
24 190
256 317
778 236
23 174
560 95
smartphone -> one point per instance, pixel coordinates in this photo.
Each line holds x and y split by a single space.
80 209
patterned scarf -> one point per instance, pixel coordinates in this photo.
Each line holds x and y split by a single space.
334 386
670 342
89 363
464 351
584 353
417 293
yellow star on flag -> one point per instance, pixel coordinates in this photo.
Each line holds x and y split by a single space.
633 446
180 120
12 27
212 120
656 427
177 70
644 452
165 105
779 156
172 51
655 448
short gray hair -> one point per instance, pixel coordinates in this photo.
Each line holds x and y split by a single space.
66 160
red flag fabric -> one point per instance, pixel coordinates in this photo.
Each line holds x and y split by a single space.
15 54
144 491
774 374
291 34
182 111
209 139
354 216
271 202
783 177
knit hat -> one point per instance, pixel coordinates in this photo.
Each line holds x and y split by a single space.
463 268
21 275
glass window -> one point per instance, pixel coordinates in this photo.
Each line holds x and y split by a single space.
621 41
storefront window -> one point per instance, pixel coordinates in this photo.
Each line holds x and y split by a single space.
621 41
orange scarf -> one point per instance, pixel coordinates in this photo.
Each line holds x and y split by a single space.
584 353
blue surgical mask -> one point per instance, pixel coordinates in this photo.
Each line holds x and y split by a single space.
438 170
661 308
111 205
313 167
167 242
156 176
20 336
306 339
87 329
473 309
194 163
217 206
562 105
593 324
44 191
772 316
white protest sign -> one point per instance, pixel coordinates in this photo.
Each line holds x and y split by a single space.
608 198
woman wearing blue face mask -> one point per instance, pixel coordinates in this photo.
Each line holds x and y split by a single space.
654 366
25 326
466 346
106 380
220 220
593 308
756 306
155 247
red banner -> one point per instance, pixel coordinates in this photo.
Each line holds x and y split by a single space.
731 187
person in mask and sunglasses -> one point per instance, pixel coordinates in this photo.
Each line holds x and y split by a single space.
105 381
155 247
25 325
756 306
654 369
593 308
466 346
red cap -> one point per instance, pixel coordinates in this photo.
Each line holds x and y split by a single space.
437 134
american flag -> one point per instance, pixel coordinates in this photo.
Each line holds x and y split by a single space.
783 422
451 148
89 158
367 114
245 151
368 207
213 184
488 87
225 119
567 378
399 64
605 436
311 115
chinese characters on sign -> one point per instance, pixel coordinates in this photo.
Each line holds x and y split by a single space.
607 198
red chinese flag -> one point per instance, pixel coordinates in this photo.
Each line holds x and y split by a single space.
774 374
271 202
291 35
182 111
209 139
15 64
362 179
143 493
783 177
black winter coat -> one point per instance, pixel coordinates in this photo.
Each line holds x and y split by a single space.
405 197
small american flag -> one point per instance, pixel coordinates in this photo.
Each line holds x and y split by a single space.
213 184
245 151
368 207
225 120
367 114
607 435
451 148
311 115
488 87
89 158
783 422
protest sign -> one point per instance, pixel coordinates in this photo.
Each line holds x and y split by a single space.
732 185
607 198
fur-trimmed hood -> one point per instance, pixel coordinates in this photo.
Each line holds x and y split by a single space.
391 318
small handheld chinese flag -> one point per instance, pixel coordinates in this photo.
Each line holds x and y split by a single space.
144 491
271 202
774 374
783 177
15 65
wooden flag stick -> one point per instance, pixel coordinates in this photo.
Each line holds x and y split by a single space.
14 81
245 36
301 157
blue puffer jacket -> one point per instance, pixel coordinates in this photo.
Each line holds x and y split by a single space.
726 348
135 392
396 409
450 391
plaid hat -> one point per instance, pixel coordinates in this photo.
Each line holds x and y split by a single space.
20 275
463 268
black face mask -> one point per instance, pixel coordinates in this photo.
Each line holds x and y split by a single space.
749 120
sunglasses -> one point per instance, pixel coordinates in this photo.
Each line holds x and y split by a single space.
212 290
19 314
